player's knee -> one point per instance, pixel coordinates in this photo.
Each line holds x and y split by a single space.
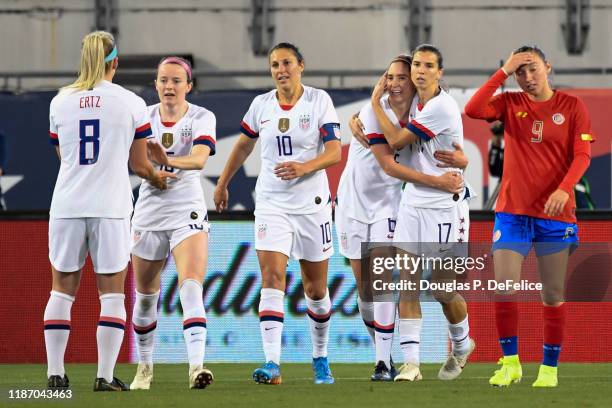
443 296
552 297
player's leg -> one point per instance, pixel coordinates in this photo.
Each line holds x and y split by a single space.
351 233
149 252
313 247
190 250
109 246
273 242
381 235
67 251
449 229
512 237
554 242
406 240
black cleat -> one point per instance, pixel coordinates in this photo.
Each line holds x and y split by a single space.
55 381
381 372
393 370
100 384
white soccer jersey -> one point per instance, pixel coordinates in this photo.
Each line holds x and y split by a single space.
183 202
95 129
438 125
291 134
365 192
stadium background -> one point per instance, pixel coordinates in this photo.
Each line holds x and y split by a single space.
350 46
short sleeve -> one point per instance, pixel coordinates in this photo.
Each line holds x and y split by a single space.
53 138
249 125
329 124
582 131
140 114
432 120
371 127
204 131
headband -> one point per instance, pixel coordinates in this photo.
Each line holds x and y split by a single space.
111 56
178 61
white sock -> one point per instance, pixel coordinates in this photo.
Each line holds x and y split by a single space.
366 309
57 330
384 324
460 336
319 313
111 327
271 318
194 321
410 339
144 320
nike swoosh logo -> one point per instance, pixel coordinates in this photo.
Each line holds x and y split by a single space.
269 328
326 249
386 338
264 121
193 334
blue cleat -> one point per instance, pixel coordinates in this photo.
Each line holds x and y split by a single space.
322 373
269 373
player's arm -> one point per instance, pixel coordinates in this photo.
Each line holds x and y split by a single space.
194 161
581 159
240 152
396 137
332 154
57 151
140 164
449 181
455 159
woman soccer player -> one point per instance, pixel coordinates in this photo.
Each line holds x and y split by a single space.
428 215
368 200
299 133
548 148
96 127
174 221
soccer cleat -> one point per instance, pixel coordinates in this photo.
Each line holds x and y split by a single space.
510 372
56 381
322 372
381 372
409 372
200 377
100 384
547 377
269 373
455 363
393 370
143 377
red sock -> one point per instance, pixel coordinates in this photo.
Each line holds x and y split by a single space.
506 319
554 324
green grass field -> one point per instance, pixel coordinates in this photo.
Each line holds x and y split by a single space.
581 385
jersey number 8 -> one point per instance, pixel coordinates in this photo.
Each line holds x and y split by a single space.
89 134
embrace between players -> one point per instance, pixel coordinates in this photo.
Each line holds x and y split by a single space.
410 132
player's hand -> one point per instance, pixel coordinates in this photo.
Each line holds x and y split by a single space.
221 198
160 179
358 131
456 158
555 203
379 88
517 60
157 153
450 181
290 170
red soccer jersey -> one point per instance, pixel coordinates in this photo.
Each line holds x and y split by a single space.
547 146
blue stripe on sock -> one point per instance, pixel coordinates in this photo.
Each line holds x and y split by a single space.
551 354
509 345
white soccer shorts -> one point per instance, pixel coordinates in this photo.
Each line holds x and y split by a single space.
107 240
423 230
156 245
351 233
303 236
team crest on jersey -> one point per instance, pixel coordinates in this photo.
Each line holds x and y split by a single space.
558 118
167 140
304 122
283 124
186 135
262 229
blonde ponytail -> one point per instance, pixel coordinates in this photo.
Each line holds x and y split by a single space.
96 46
